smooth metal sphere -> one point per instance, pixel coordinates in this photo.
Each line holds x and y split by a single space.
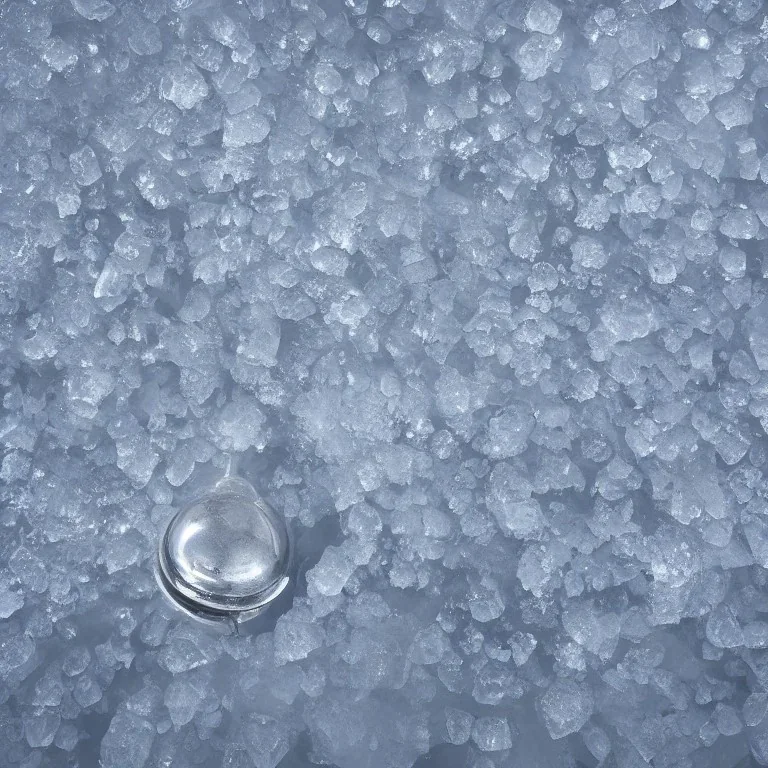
226 556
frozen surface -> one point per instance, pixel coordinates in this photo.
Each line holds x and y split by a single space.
477 292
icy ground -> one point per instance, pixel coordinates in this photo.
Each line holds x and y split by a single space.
477 292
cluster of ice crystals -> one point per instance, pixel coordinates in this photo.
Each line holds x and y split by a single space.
476 292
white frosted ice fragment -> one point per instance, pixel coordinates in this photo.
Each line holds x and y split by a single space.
756 634
67 202
85 166
133 251
733 110
523 645
266 740
740 224
566 707
10 602
697 38
93 10
455 393
730 444
111 283
29 569
364 521
685 506
723 629
756 531
327 79
184 86
225 30
702 220
247 97
733 261
543 17
742 10
638 41
154 188
596 632
182 700
585 383
313 681
87 691
15 652
49 690
674 560
66 737
536 55
332 572
145 39
755 708
628 156
181 655
485 601
15 466
594 212
758 745
508 433
459 725
367 609
296 635
117 137
240 424
59 55
350 311
40 728
516 513
597 742
244 128
197 304
353 201
330 261
743 367
727 720
123 551
378 31
758 335
429 645
137 460
128 742
492 734
260 346
465 14
588 253
630 318
599 73
230 78
573 583
76 660
662 270
543 277
86 388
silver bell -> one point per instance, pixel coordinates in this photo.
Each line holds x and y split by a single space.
226 556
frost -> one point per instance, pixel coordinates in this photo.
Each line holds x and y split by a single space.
184 86
566 707
473 293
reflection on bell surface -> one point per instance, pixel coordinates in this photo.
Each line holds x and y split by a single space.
226 556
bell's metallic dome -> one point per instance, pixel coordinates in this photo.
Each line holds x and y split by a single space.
225 556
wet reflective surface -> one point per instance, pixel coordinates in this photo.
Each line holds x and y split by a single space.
225 556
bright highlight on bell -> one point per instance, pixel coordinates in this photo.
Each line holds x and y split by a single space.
226 556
